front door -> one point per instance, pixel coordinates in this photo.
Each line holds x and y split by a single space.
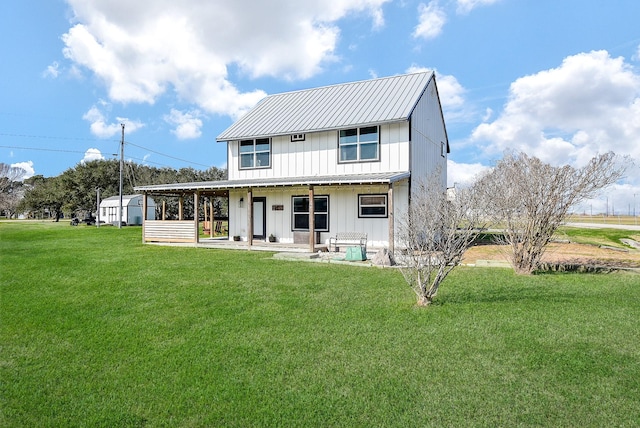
259 217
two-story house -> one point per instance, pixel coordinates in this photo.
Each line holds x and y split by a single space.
316 162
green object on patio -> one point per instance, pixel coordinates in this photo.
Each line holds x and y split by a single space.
355 254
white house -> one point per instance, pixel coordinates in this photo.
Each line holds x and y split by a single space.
352 149
132 206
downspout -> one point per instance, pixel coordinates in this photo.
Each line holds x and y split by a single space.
249 218
391 219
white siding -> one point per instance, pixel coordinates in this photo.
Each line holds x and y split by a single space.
343 211
427 135
318 155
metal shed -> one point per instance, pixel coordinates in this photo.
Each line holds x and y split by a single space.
131 209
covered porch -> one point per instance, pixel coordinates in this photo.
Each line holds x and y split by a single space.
250 221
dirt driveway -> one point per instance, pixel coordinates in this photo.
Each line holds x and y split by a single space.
570 253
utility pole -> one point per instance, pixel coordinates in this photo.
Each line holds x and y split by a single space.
121 168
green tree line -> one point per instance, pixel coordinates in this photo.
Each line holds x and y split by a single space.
74 191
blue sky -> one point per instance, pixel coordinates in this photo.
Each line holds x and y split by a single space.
557 79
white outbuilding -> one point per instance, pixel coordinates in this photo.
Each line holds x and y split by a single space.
131 209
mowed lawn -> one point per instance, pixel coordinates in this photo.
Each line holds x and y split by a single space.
99 330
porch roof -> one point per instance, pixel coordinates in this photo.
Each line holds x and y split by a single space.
346 179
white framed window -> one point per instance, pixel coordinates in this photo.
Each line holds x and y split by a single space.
372 206
359 144
443 149
255 153
297 137
300 213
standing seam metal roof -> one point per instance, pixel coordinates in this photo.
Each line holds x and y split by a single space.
375 101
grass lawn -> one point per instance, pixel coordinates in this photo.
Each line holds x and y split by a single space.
609 237
99 330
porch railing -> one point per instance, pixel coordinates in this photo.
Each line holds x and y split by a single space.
169 231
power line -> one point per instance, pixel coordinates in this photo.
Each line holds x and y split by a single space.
83 152
43 150
168 156
49 137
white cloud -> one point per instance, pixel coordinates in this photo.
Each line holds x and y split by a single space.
465 6
100 128
187 124
142 49
27 166
463 174
590 104
451 94
91 155
53 70
431 19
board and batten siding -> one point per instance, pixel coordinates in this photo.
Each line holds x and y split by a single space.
427 136
318 155
343 211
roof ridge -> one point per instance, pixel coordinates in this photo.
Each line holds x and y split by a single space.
354 82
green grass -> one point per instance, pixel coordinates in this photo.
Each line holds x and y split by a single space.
100 330
604 236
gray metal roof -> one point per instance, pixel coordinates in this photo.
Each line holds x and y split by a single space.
375 101
376 178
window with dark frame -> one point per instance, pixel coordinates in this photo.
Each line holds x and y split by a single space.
372 206
300 213
255 153
359 144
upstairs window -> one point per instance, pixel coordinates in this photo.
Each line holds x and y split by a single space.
255 153
359 144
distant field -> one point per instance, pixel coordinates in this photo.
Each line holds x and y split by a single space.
611 219
100 330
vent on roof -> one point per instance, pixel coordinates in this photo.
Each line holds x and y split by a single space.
297 137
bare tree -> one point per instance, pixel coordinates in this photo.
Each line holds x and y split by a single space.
434 234
530 199
10 184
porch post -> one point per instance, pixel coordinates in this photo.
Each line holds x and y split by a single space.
249 218
391 218
181 208
196 214
164 210
312 221
206 213
144 213
211 216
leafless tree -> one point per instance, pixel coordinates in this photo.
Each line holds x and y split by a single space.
530 199
9 184
434 234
